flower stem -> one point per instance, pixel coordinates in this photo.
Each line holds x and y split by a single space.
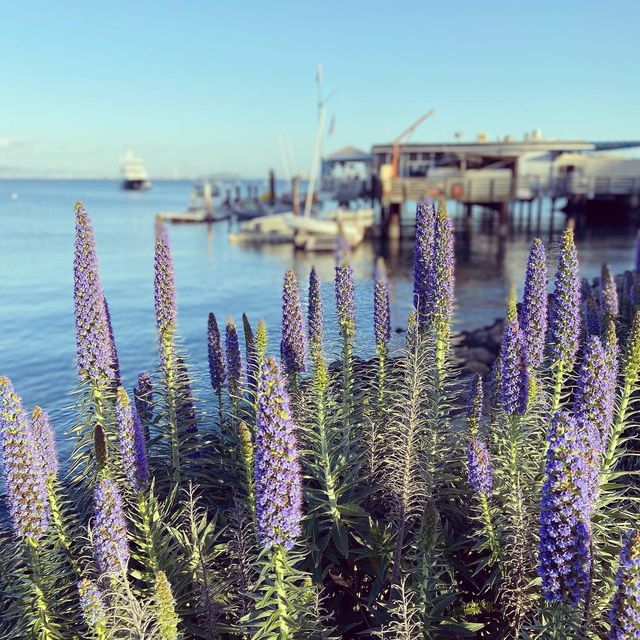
279 561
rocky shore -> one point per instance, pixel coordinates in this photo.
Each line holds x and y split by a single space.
477 349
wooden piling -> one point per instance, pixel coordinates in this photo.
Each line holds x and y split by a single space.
272 187
295 195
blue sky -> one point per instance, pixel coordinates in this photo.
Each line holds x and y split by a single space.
207 86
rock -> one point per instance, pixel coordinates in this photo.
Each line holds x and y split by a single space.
481 354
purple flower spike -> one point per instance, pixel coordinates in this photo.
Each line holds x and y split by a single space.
442 272
165 295
595 389
534 304
315 316
277 471
513 390
609 306
612 355
565 316
132 446
251 354
110 546
422 261
23 474
345 301
625 608
566 508
638 251
216 359
381 306
591 316
234 360
475 404
293 346
45 443
94 344
479 467
115 361
143 396
92 605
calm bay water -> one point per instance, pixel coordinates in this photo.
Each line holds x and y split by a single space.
37 343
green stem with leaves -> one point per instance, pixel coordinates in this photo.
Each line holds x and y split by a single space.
280 565
488 527
47 628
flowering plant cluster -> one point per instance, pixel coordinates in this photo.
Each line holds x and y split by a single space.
294 499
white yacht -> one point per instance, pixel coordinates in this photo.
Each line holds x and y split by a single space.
135 177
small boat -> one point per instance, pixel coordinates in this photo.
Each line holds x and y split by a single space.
321 234
272 229
135 177
257 209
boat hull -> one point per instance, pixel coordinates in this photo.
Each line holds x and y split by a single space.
136 185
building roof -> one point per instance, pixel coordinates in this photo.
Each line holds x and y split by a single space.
512 148
349 154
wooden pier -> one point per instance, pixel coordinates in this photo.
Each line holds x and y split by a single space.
497 174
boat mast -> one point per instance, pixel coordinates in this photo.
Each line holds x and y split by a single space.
318 148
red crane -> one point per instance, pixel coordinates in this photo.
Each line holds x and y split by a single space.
395 154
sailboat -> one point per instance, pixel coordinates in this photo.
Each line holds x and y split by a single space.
306 232
135 177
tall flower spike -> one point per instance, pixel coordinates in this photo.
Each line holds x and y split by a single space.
251 354
234 360
474 407
315 313
609 306
513 390
293 346
143 395
277 471
479 467
565 316
133 452
165 296
534 304
422 257
23 474
566 508
165 608
110 546
591 316
625 608
93 607
95 349
612 354
442 273
45 443
345 301
638 251
595 389
262 340
115 361
217 371
381 306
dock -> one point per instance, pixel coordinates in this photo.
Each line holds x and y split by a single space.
192 217
496 175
